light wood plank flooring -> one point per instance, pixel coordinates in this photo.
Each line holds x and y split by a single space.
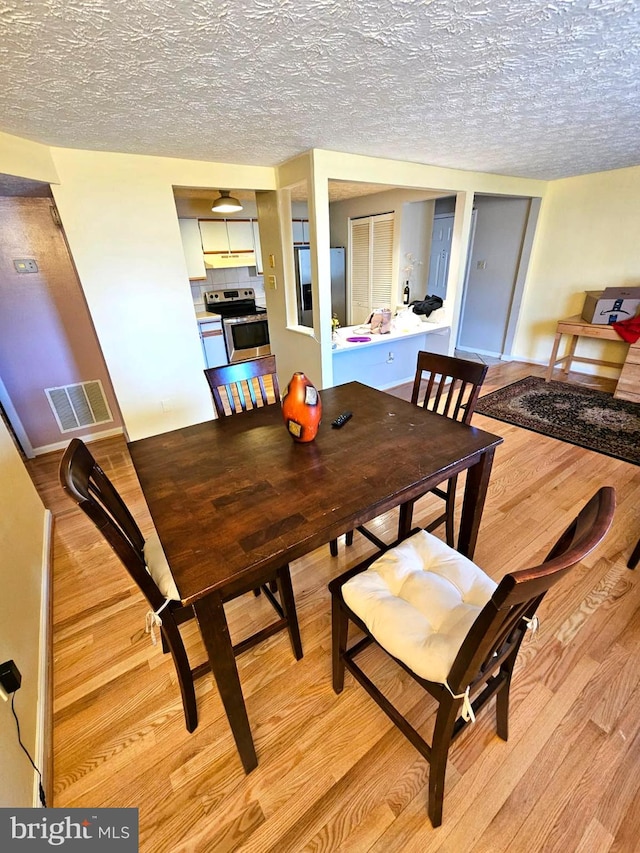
334 774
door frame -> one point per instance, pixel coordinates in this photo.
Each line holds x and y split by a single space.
467 270
15 422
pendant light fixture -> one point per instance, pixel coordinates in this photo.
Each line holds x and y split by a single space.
226 203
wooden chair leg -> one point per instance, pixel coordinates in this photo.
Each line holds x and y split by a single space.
442 734
349 538
339 633
171 635
502 710
333 547
287 600
451 509
635 556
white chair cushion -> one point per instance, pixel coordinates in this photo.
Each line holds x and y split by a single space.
419 600
158 567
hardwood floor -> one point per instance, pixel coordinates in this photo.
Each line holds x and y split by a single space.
334 774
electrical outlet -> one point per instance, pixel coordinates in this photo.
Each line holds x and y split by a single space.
481 265
271 282
25 265
10 678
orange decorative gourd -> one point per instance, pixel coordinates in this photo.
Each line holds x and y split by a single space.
301 408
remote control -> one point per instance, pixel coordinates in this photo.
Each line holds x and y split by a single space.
341 420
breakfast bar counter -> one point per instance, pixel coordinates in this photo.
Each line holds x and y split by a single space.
383 361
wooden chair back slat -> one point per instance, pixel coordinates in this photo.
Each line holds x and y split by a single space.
456 382
239 387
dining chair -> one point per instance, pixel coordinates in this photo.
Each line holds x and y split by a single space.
89 487
239 387
450 627
450 387
236 388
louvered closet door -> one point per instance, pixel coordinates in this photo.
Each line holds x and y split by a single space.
371 257
359 271
381 261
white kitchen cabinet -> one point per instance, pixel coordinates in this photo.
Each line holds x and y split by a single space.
256 243
214 235
213 347
300 231
240 235
192 247
228 243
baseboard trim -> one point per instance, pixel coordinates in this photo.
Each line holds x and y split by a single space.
92 436
44 720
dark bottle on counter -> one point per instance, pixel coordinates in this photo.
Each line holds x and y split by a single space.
406 294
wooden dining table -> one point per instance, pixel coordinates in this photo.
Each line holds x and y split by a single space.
234 498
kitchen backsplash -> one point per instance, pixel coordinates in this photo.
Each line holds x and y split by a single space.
223 279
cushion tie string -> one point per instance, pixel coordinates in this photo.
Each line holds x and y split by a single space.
467 709
152 621
533 625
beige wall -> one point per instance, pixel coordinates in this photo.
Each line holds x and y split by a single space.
22 520
587 239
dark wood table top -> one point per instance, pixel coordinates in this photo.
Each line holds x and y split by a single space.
233 496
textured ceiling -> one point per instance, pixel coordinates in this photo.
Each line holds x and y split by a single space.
520 87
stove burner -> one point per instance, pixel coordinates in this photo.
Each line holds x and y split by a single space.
238 302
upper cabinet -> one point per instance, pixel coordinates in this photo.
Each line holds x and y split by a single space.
258 249
192 247
300 230
228 243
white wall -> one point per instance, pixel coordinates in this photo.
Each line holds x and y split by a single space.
22 521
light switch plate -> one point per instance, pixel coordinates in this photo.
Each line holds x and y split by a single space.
25 265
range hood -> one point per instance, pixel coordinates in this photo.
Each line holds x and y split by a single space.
227 260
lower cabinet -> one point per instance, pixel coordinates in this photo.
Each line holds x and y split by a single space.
213 348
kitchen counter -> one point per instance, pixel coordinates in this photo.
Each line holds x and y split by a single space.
386 360
340 342
207 316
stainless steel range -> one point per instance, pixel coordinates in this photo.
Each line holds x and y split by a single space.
245 327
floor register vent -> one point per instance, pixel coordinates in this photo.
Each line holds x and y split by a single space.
79 405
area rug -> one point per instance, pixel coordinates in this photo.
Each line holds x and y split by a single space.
572 413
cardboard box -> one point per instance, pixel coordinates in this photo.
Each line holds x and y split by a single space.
611 305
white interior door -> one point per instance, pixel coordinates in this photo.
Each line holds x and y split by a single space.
440 255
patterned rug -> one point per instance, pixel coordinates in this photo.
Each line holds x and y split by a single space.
572 413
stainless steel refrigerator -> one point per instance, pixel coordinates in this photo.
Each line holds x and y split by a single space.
338 285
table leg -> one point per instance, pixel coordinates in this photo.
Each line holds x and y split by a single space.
570 354
215 634
405 520
554 356
475 493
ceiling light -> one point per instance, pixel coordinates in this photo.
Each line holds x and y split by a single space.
226 203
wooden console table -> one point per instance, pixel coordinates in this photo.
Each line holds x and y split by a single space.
628 387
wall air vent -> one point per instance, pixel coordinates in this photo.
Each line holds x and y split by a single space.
79 405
